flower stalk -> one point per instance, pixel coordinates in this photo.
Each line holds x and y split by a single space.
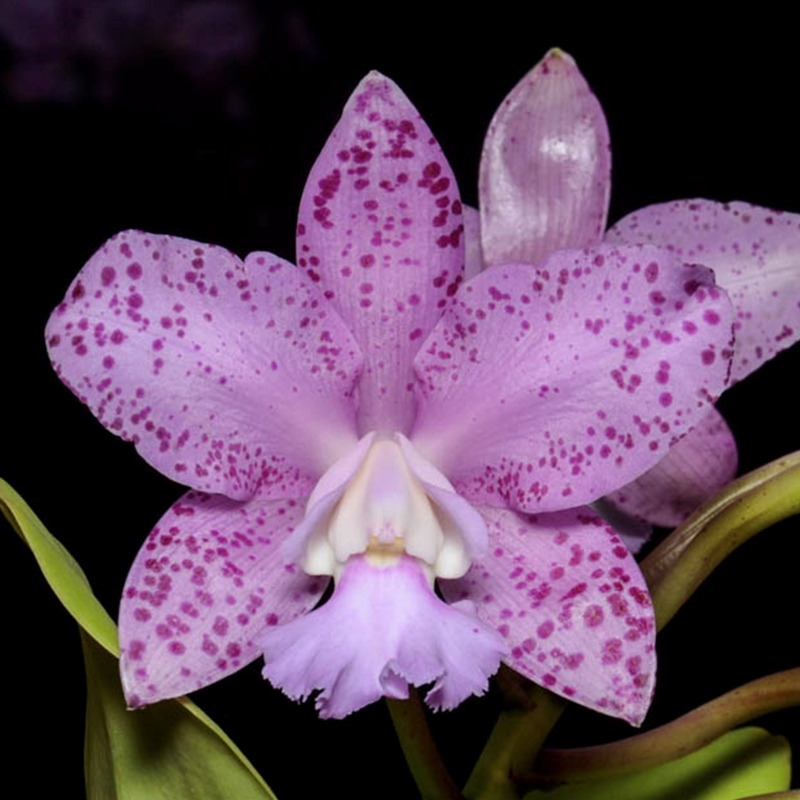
422 756
674 740
679 565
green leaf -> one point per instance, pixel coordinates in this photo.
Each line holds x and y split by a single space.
60 569
168 751
740 764
161 752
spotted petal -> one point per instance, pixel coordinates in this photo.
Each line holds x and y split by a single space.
694 470
547 388
380 228
755 254
545 173
572 605
225 375
209 579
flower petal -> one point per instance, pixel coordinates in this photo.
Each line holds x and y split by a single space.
572 605
208 580
473 252
694 470
547 388
226 376
545 174
382 629
755 254
381 230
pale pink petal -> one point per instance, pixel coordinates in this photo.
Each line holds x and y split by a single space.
755 254
473 253
383 629
381 229
226 376
572 605
545 172
693 471
209 579
547 388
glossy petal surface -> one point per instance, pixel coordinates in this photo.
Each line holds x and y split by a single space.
546 388
545 173
226 375
382 629
209 579
572 605
755 254
380 229
694 470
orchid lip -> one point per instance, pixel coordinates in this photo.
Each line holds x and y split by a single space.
384 500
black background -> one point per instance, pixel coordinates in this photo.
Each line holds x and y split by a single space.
694 109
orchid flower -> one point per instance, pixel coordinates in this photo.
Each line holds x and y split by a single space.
545 185
369 417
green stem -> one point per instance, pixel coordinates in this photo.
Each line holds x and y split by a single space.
674 740
515 740
791 794
677 567
420 751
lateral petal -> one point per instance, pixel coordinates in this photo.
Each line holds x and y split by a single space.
571 604
225 375
208 580
755 254
546 388
380 229
545 174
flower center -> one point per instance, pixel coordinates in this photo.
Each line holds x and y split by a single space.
388 502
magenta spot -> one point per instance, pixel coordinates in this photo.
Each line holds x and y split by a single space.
136 650
612 651
665 399
593 616
545 629
177 648
134 271
711 317
708 357
107 275
135 300
651 272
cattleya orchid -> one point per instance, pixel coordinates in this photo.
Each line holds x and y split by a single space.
369 416
545 186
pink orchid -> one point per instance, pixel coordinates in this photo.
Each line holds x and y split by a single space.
545 185
367 416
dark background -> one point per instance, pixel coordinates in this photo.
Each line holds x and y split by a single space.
202 119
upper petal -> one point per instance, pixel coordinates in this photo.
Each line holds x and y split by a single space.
545 173
209 579
694 470
547 388
224 375
380 228
755 254
572 605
